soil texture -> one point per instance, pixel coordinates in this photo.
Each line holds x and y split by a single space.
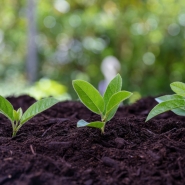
50 150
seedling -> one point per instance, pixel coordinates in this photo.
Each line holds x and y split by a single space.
105 106
17 118
175 102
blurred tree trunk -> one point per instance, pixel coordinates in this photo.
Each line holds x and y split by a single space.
31 63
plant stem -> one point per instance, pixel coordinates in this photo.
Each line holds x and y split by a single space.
103 119
103 128
14 133
16 123
13 128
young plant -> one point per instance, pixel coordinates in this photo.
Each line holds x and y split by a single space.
17 118
105 106
175 102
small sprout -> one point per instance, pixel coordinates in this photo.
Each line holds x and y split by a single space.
17 114
175 102
105 106
17 118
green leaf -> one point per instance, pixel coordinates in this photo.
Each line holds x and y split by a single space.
96 124
89 96
37 108
113 87
6 108
115 100
15 115
165 106
19 112
112 113
178 87
179 111
168 97
82 123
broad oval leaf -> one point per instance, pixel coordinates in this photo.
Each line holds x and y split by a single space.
115 100
89 96
37 108
6 108
112 113
113 87
178 87
95 124
168 97
179 111
165 106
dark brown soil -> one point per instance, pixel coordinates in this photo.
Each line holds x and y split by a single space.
50 150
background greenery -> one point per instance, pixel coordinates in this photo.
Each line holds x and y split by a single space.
74 36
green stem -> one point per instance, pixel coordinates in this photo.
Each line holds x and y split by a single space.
103 119
103 128
14 133
14 129
19 126
16 123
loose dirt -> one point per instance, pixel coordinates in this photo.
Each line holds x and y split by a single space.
50 150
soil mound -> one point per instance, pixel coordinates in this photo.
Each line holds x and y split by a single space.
50 150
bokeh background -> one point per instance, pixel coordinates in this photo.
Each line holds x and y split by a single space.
44 45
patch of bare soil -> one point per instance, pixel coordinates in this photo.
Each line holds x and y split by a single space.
50 150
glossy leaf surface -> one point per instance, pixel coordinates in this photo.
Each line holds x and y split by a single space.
95 124
112 113
113 87
89 96
115 100
37 108
178 87
165 106
179 111
168 97
6 108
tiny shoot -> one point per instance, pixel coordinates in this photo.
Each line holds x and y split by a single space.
17 117
175 102
106 105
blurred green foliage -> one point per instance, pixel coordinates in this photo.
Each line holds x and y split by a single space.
45 88
74 36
